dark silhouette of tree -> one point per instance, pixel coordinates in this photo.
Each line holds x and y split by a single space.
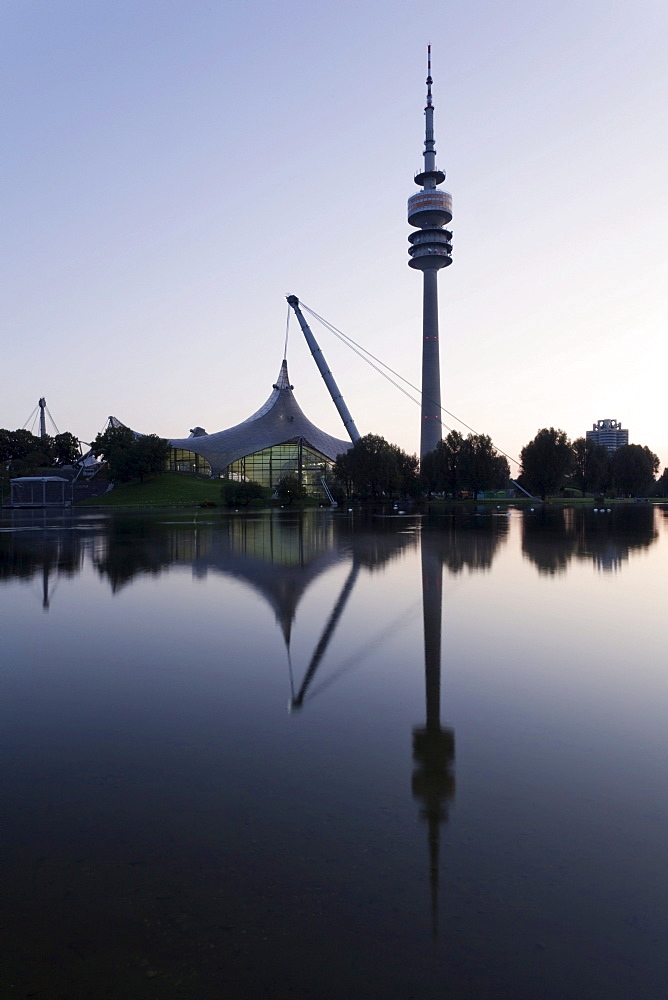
633 469
237 493
591 465
131 456
481 468
291 489
23 453
150 456
440 468
546 461
66 448
373 468
661 488
459 463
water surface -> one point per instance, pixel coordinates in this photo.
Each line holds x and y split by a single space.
332 754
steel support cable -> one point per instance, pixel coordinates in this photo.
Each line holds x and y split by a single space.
349 342
360 352
48 411
33 413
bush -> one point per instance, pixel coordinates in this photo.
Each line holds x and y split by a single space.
290 489
236 493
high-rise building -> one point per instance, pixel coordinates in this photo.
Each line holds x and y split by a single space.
609 433
431 249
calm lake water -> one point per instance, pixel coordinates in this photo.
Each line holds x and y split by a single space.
332 755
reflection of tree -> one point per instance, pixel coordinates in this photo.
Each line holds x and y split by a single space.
375 541
468 541
551 537
134 545
609 539
548 538
433 746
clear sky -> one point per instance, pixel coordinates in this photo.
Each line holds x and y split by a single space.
173 168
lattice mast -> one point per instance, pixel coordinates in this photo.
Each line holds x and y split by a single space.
430 250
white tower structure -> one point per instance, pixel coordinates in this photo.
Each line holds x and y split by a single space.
431 249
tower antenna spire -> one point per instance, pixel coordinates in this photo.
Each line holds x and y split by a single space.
429 79
431 248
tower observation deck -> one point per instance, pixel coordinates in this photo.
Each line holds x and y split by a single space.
431 249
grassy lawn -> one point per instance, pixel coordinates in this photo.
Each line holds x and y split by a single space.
166 490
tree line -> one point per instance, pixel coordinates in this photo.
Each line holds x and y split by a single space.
373 468
552 463
23 453
467 466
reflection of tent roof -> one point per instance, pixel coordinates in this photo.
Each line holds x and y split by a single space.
278 421
281 586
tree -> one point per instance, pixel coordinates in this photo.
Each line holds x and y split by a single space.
409 478
374 468
547 460
481 468
662 484
66 448
290 488
131 456
464 463
633 469
150 455
114 446
591 465
440 468
22 453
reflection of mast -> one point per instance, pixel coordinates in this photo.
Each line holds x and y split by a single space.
46 573
433 746
320 650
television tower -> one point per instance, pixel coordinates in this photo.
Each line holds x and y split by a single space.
431 249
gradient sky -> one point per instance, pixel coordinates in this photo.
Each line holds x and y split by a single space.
173 168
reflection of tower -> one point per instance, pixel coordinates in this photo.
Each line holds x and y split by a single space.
430 250
433 746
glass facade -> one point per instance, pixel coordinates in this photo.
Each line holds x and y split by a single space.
267 467
181 460
294 458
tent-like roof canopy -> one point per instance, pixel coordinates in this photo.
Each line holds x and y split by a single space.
278 421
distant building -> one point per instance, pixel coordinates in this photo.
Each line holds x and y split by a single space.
609 433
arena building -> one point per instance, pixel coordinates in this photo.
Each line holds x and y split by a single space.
276 441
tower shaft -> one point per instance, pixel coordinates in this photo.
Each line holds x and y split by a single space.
430 433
